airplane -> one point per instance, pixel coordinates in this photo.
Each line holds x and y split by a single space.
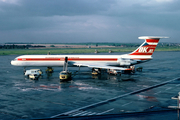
116 62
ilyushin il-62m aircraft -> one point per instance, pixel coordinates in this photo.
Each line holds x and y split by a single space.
114 62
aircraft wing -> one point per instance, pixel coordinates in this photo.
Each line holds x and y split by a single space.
101 66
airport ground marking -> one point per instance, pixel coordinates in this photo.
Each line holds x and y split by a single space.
168 88
105 111
127 104
114 98
157 92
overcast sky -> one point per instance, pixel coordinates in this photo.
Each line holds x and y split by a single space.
74 21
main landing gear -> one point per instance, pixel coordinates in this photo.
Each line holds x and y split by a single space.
96 71
49 70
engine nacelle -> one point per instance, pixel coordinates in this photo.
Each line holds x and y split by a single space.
126 61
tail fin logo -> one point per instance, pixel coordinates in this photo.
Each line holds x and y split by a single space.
143 49
151 50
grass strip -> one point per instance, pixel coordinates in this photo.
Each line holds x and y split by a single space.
75 50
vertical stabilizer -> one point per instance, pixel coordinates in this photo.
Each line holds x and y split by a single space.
148 47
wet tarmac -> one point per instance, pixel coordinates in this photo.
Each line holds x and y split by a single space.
47 97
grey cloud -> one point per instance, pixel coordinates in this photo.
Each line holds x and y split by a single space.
35 13
57 7
87 20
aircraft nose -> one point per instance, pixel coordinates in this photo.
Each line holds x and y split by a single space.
13 62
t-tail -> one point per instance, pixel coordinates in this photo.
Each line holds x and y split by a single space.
145 50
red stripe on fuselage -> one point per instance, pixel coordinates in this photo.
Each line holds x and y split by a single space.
39 59
92 59
69 59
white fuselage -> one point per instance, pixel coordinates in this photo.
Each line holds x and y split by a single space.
58 60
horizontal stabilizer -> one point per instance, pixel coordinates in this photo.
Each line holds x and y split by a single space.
151 37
